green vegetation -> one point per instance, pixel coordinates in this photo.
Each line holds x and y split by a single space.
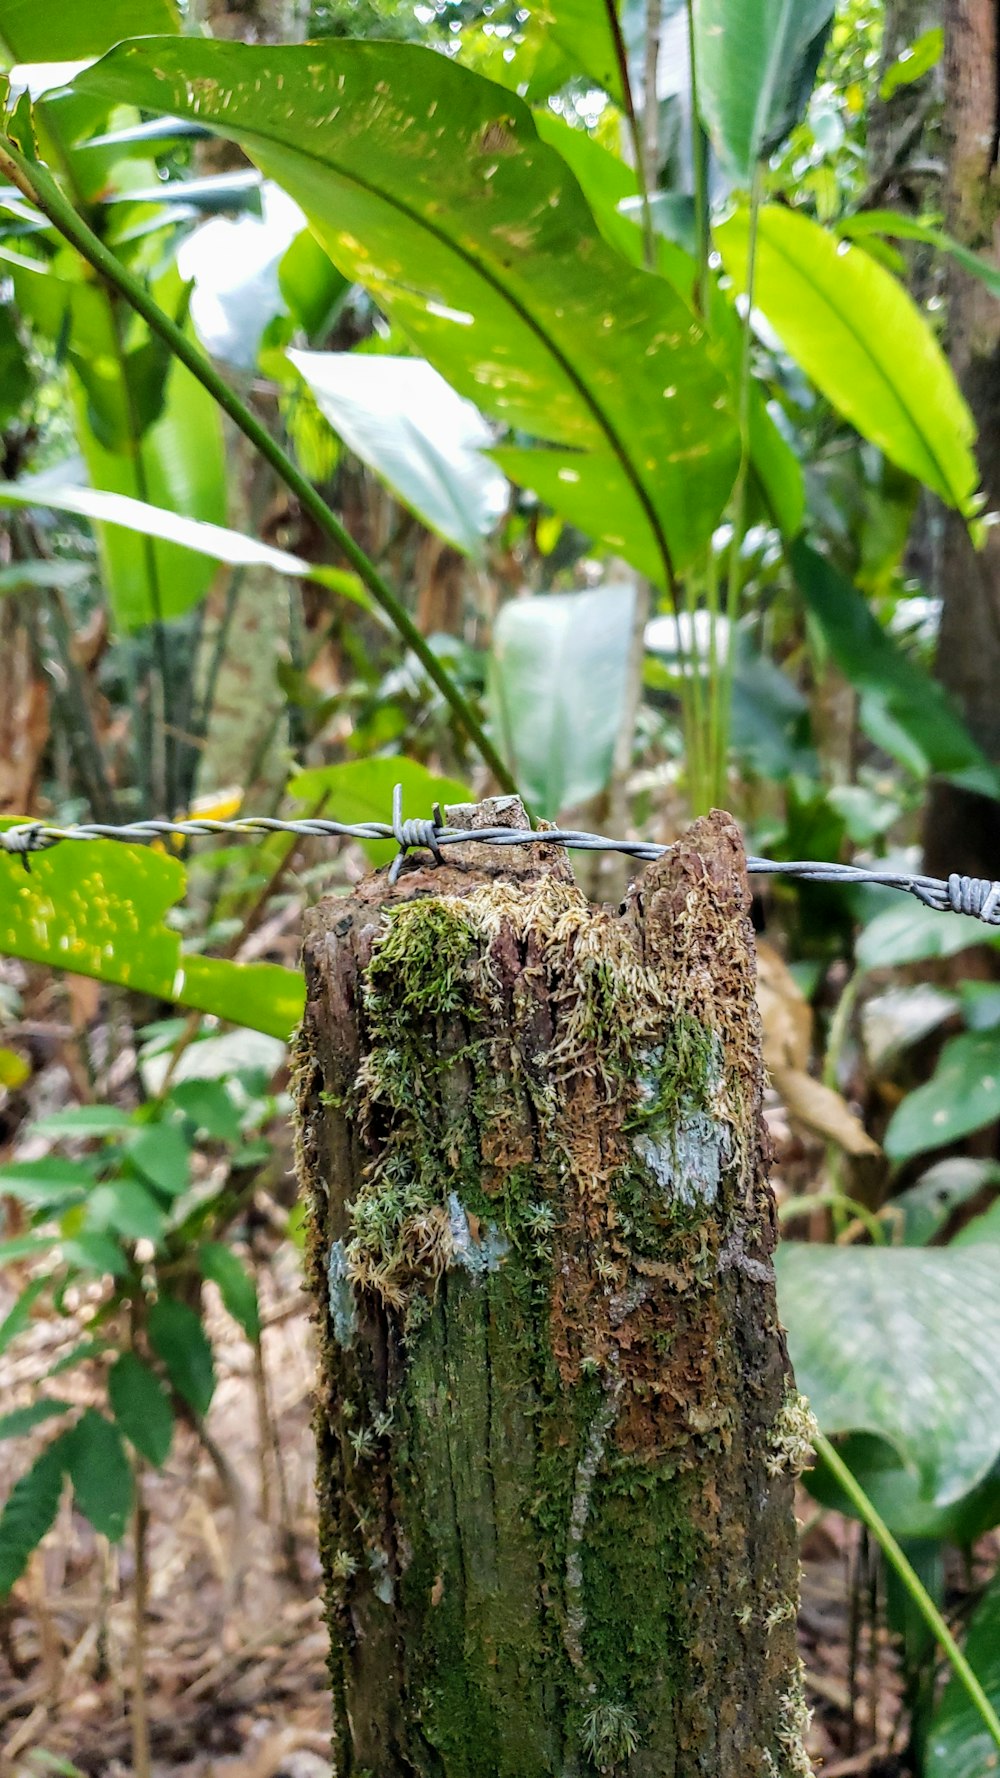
445 401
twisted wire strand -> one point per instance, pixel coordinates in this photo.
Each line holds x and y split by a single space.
976 896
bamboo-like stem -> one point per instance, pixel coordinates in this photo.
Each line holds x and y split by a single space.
39 187
909 1579
140 1591
642 172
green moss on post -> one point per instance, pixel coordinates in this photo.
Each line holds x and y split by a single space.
557 1430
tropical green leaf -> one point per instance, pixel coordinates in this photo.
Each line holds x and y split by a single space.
895 1493
52 1183
864 1323
22 1420
146 429
33 34
30 1510
856 332
876 666
962 1095
557 680
402 419
141 1407
981 1228
310 283
893 223
236 1287
101 1474
163 1157
99 909
913 62
210 1106
94 1250
756 63
958 1744
124 1207
179 1339
584 30
924 1208
475 239
266 996
26 577
224 193
909 932
84 1120
361 790
122 512
18 1317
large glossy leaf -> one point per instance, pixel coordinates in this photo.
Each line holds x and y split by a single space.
908 932
959 1746
877 667
610 188
909 228
756 62
235 270
361 790
557 680
74 29
584 30
402 419
120 512
430 185
857 333
962 1095
146 430
99 909
901 1342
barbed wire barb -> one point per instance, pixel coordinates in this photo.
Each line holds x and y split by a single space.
978 897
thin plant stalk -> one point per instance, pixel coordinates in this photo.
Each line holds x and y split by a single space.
734 584
912 1583
140 1591
38 186
635 134
699 169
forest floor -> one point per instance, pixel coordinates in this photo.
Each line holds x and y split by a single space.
234 1665
235 1675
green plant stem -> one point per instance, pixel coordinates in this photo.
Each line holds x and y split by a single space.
699 168
38 186
909 1579
734 583
635 134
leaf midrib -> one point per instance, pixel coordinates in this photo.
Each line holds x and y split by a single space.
247 137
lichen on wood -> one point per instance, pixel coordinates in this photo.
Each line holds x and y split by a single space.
557 1431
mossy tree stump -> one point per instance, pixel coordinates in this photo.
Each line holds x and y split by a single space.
557 1428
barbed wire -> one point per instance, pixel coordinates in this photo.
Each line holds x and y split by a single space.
976 896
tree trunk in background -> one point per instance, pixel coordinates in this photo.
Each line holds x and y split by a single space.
557 1428
247 739
963 829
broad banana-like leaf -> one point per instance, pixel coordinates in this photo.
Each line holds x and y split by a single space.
430 185
858 334
756 62
402 419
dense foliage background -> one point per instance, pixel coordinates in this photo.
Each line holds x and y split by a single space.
594 400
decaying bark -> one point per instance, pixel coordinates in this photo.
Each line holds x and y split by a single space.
557 1428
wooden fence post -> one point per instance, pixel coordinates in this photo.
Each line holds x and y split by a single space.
557 1428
